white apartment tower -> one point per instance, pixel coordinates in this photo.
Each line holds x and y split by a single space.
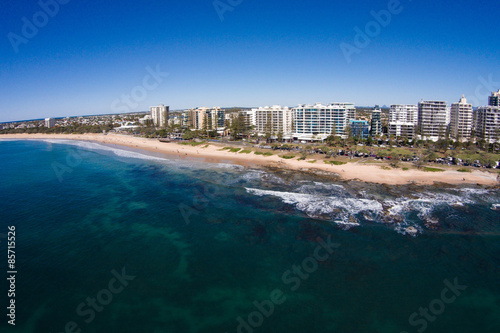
403 113
318 121
488 123
273 120
159 114
461 119
376 122
403 120
50 122
432 119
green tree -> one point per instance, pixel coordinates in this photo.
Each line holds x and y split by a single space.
280 135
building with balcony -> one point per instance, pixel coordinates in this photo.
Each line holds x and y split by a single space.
403 119
272 120
432 119
316 122
488 123
461 119
360 129
160 115
205 118
494 99
400 130
403 113
376 122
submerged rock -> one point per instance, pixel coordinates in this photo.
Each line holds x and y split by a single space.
431 223
412 231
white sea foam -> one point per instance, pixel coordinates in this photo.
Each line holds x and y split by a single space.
346 225
424 204
475 194
318 205
410 229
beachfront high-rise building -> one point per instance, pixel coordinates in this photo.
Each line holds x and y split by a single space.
403 120
488 123
273 120
50 122
461 119
494 99
403 113
159 114
316 122
432 119
205 119
376 122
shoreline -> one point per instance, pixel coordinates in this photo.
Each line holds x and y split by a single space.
370 173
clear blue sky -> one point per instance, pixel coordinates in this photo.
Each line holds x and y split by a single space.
90 53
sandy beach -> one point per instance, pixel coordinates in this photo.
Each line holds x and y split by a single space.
213 153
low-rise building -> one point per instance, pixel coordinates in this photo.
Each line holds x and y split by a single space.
359 128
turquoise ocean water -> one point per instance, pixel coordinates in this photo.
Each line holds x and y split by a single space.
113 240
